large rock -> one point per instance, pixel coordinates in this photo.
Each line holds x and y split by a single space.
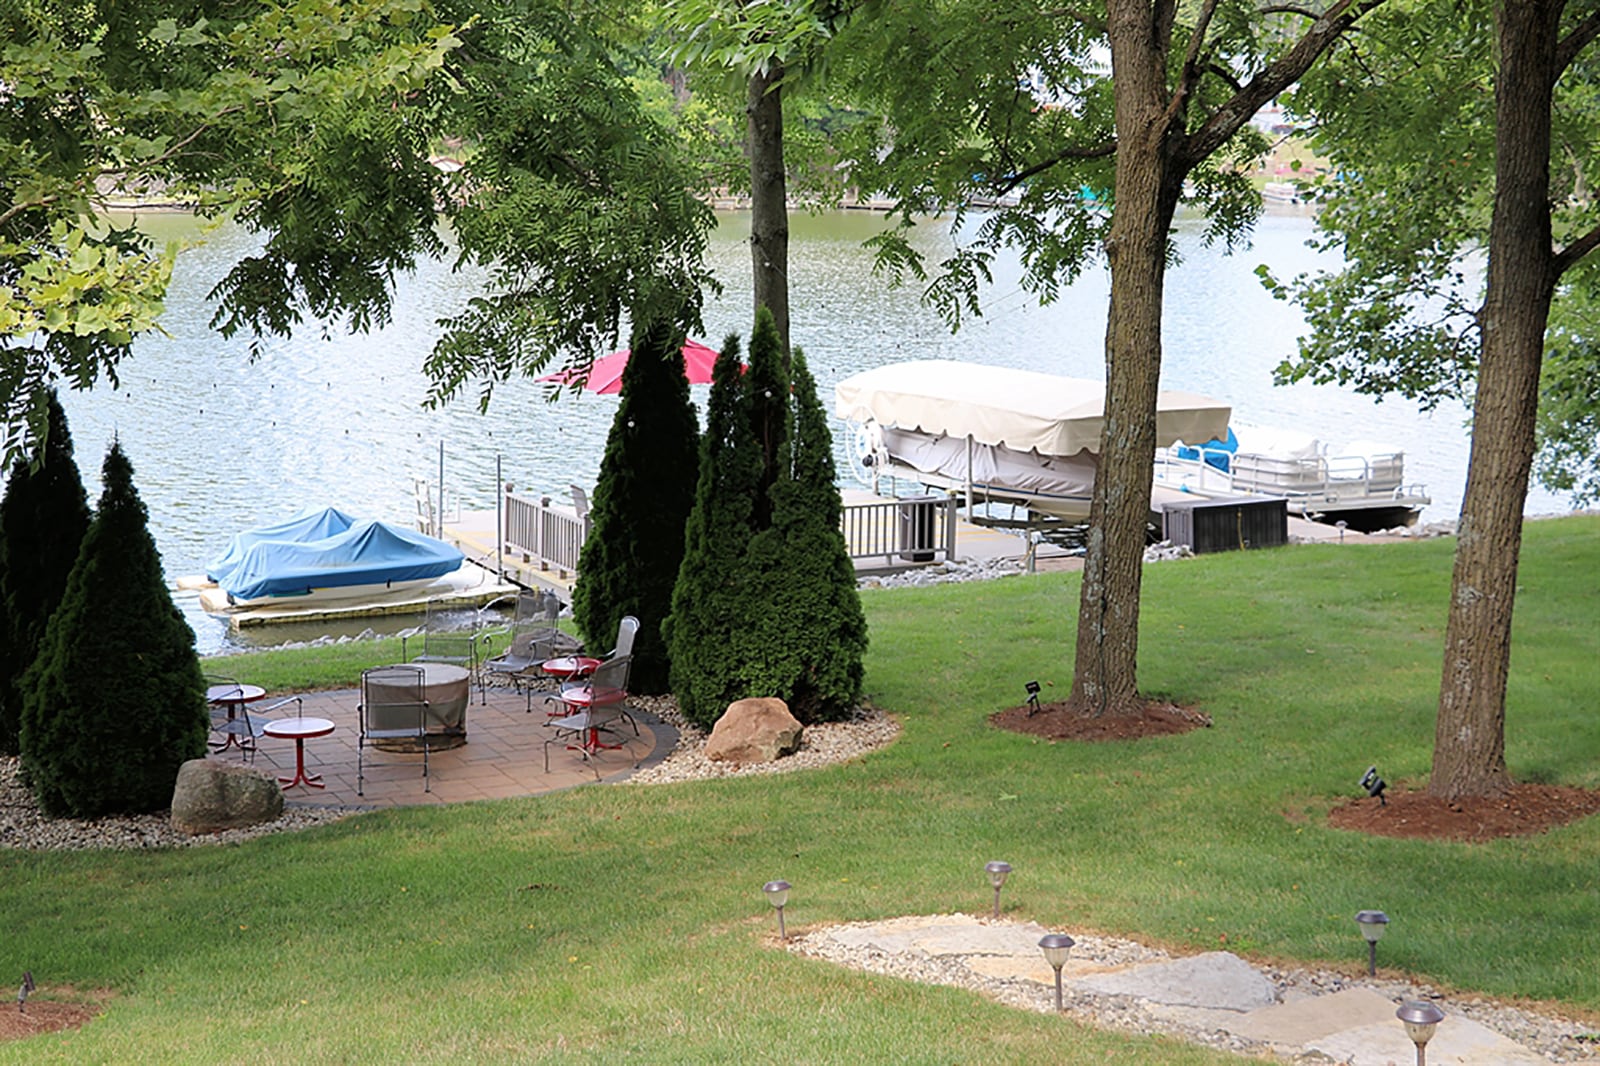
760 730
212 796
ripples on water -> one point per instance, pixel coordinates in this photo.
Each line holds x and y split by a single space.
221 444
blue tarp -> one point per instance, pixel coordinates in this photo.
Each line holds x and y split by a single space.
312 525
367 553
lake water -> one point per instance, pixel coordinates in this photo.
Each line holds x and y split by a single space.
221 444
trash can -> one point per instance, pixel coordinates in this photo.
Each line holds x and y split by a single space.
919 525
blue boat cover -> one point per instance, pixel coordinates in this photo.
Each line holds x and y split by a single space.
367 553
312 525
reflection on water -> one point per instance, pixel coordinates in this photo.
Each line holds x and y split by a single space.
220 443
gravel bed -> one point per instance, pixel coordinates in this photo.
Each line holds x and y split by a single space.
1557 1039
24 826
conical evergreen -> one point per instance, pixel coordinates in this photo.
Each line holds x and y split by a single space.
711 583
642 499
767 608
811 634
43 517
114 703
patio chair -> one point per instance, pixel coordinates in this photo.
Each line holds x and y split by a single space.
392 707
627 630
445 645
590 706
231 717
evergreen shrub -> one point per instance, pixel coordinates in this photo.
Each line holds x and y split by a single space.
115 702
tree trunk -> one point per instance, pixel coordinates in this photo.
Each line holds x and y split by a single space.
1148 182
1469 737
769 197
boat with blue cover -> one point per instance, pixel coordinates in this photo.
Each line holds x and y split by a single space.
327 555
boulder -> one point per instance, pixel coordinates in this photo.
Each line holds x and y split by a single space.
212 796
758 730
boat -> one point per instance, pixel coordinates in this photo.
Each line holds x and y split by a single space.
1361 484
325 557
998 435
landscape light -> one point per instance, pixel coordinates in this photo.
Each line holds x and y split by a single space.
1374 785
1372 923
1420 1018
997 876
777 895
1033 697
1055 947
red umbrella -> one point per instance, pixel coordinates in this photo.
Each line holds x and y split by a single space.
605 375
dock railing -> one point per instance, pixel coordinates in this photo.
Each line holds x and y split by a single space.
544 533
901 533
880 534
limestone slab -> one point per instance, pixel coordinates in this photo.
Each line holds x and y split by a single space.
1457 1042
1313 1018
1218 979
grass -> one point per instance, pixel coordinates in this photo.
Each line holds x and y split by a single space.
611 922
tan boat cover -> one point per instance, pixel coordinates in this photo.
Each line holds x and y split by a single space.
1021 409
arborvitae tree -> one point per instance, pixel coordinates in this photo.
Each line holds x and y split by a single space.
115 702
810 634
711 587
43 517
767 609
642 499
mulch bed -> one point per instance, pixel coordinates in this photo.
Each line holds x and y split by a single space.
1525 810
42 1016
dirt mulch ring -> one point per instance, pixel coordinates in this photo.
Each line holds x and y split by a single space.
1055 721
43 1016
1523 811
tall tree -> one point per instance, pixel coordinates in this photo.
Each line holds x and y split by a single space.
641 501
1498 174
1012 99
115 702
767 43
43 517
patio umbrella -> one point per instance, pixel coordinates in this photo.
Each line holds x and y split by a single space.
605 375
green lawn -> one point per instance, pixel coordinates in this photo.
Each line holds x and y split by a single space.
613 922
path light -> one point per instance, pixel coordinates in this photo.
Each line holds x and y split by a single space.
1421 1018
997 876
1055 947
777 895
1372 923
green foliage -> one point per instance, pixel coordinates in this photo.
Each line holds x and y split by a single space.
114 703
766 602
641 501
712 583
43 517
807 635
1407 115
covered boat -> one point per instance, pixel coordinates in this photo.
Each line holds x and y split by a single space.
364 558
999 434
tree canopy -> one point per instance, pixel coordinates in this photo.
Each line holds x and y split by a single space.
312 123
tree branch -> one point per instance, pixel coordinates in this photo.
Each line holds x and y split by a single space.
1191 65
1575 251
1098 151
1582 35
1226 120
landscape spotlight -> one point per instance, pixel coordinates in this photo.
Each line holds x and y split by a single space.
777 895
1421 1018
1033 697
1055 947
997 876
1374 785
1372 923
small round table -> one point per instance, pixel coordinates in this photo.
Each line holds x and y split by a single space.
570 667
234 697
298 730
